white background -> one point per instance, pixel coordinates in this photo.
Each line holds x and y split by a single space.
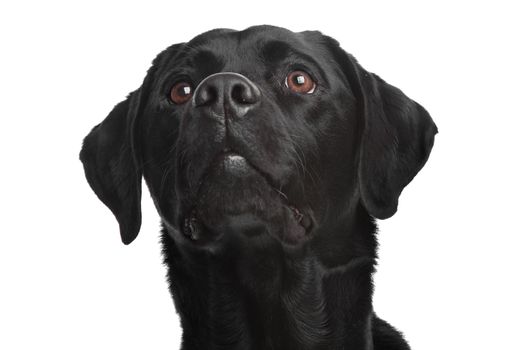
450 272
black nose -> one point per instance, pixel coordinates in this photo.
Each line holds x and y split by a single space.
227 94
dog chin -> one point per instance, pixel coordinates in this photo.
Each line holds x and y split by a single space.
236 200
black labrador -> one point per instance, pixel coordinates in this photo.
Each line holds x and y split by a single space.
268 155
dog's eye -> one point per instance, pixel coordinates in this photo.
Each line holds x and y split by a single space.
181 93
300 82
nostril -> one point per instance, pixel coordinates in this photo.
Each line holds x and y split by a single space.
242 94
206 96
227 90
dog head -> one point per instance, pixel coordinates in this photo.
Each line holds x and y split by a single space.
256 133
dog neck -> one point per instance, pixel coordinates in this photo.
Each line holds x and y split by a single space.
317 296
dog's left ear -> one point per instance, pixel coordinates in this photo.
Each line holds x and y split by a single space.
398 135
111 166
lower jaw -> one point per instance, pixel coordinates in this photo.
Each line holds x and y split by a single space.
292 227
233 188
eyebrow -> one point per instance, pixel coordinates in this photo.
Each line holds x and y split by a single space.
190 59
276 51
205 58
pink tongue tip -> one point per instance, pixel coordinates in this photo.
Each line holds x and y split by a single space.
298 215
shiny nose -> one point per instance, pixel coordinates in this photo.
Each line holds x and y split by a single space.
227 94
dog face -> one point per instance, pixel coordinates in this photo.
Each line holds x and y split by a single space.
261 133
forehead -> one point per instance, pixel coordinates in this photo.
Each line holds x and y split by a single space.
251 40
231 49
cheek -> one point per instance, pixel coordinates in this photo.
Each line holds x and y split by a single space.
332 150
158 137
158 140
340 154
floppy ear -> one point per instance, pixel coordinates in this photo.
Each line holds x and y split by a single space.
397 140
112 169
110 155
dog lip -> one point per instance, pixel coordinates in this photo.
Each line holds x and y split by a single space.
191 226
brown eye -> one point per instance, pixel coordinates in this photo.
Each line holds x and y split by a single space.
181 93
300 82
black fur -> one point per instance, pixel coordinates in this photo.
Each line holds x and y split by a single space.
267 197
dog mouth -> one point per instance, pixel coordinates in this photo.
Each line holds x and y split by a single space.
296 222
193 226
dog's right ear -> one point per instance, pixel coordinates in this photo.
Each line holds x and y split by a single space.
110 155
111 166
